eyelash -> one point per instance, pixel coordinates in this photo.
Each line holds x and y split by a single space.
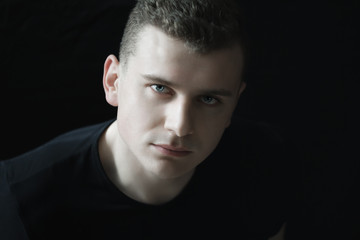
215 99
166 90
154 86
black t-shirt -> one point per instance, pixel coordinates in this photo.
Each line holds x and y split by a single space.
244 190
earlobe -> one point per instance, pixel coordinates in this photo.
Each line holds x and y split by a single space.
110 77
242 88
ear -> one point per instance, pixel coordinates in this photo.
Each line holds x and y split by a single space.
110 78
241 90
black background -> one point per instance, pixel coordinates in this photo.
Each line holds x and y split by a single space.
302 61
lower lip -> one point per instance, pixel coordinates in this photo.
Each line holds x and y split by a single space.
171 153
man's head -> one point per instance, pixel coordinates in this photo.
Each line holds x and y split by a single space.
203 25
177 95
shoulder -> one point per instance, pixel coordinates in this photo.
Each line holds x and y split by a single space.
252 140
255 164
246 129
254 155
260 149
53 153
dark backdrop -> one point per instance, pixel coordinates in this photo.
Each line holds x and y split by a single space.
301 57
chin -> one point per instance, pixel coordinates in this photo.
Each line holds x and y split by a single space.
166 172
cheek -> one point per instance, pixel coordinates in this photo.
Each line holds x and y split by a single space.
214 121
211 128
137 113
213 137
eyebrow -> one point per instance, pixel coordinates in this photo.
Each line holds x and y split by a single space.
213 92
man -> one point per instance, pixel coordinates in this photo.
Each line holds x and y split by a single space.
153 173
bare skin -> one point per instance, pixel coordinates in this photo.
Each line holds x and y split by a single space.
173 107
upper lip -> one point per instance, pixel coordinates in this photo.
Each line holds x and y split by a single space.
173 148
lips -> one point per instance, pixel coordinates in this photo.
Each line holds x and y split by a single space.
172 150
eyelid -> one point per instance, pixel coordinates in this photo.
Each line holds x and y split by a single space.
167 90
217 100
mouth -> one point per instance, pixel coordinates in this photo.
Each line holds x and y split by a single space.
171 150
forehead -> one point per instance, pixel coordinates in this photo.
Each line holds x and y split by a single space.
158 54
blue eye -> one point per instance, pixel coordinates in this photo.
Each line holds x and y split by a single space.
159 88
209 100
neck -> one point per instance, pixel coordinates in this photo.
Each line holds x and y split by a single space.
131 178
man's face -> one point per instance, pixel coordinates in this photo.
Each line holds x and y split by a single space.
174 105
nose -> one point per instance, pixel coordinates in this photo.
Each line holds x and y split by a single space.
179 118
